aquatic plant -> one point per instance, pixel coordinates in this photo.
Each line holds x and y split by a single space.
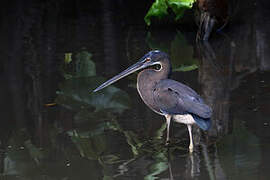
160 9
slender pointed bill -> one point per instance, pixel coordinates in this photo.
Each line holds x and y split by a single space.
139 65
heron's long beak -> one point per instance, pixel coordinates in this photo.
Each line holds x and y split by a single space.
139 65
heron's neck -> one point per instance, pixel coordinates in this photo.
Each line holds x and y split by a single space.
147 80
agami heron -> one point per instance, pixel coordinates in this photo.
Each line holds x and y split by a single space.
164 96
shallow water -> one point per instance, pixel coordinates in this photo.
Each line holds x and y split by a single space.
54 127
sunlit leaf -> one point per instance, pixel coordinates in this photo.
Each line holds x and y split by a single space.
179 7
158 9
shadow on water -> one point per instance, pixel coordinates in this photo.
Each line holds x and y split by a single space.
54 127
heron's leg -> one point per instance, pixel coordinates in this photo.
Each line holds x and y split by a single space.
190 138
168 121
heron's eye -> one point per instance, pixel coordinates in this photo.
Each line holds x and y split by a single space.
157 67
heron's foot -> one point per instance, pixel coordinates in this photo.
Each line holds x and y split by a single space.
191 148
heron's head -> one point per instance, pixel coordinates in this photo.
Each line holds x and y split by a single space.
155 57
152 58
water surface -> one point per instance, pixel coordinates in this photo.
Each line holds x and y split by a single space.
54 127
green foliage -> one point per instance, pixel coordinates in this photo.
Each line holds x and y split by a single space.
186 68
35 153
182 54
68 58
82 67
90 148
24 160
160 165
80 79
74 94
85 67
159 9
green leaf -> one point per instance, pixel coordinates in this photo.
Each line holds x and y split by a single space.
90 148
159 132
74 94
182 54
133 141
179 6
85 67
68 58
110 159
158 9
82 67
186 68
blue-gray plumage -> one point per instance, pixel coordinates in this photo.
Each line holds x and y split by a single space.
164 96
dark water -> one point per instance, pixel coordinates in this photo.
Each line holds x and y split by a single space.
53 127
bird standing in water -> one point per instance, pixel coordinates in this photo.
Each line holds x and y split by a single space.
164 96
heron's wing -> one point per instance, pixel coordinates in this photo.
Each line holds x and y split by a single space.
176 98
